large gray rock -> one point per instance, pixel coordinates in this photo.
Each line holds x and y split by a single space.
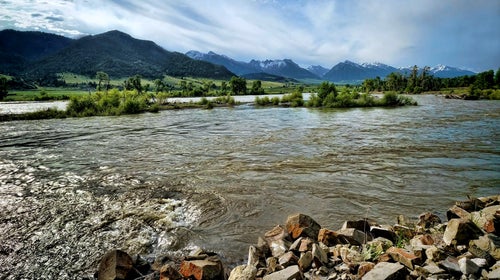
386 271
354 236
115 265
467 266
289 273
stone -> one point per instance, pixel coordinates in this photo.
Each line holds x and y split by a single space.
488 219
115 265
354 236
383 232
434 254
432 268
480 262
305 261
422 241
296 244
168 272
403 232
460 231
328 237
289 273
288 259
302 225
494 274
404 257
306 245
364 267
319 255
362 225
489 243
202 269
278 247
467 266
272 264
275 234
471 205
386 271
243 272
450 264
456 212
428 220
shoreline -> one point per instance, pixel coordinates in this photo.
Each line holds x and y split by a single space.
466 245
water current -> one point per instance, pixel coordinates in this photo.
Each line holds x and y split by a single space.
166 183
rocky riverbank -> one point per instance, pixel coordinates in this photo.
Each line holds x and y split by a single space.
466 246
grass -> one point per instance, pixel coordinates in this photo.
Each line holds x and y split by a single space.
51 93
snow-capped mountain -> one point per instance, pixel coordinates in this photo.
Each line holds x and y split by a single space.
284 68
349 71
317 70
440 71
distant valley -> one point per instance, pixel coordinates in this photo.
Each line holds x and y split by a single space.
35 55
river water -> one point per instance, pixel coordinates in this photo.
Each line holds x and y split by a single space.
166 183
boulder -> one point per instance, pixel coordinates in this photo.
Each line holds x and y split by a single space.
434 254
305 261
319 255
289 273
362 225
467 266
243 272
404 257
450 264
428 220
460 231
354 236
471 205
302 225
276 233
386 271
489 244
115 265
207 269
168 272
328 237
422 241
385 232
456 212
306 244
488 219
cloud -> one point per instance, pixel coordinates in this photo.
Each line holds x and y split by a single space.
426 32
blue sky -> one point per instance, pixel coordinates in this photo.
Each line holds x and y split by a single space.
461 33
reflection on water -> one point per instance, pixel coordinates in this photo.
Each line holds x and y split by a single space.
220 178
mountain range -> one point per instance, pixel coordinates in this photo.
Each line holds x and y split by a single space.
346 71
37 54
113 52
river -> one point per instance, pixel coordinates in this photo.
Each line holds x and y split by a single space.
166 183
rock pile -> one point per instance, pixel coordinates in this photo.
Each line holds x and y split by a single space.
467 246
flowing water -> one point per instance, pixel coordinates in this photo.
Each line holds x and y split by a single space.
163 184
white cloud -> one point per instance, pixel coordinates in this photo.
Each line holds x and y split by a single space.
454 32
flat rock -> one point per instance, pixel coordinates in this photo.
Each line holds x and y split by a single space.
386 271
404 257
456 212
289 273
354 236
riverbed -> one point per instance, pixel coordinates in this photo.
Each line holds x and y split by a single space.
166 183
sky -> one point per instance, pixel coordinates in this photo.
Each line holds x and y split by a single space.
460 33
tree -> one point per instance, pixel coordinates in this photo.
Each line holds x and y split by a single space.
497 78
257 88
3 87
102 77
133 83
159 85
238 85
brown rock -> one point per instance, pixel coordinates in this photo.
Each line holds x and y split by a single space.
328 237
422 241
428 220
306 244
460 231
364 267
488 219
277 233
202 269
115 265
168 272
302 225
404 257
305 261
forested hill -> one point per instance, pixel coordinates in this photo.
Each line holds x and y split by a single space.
18 49
120 55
